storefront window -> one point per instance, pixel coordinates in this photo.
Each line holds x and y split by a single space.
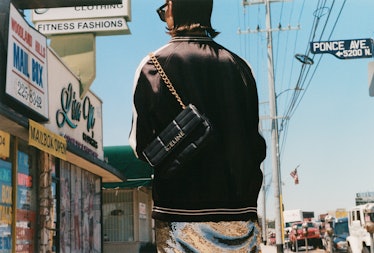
26 199
6 205
118 216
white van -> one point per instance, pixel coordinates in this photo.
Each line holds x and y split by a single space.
360 221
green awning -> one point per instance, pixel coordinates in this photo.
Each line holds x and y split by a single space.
137 172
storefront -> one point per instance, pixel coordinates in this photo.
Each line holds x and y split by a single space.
51 151
127 206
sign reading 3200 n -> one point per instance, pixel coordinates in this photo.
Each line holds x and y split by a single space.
27 65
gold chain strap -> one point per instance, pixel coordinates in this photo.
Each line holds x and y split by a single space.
166 80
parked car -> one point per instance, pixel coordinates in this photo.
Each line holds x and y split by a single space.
305 230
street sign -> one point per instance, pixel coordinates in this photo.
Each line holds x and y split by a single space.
344 49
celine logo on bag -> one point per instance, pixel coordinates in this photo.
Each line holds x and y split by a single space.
176 139
187 131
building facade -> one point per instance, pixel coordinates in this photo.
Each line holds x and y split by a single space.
127 206
51 150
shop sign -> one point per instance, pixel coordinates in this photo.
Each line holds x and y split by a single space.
142 210
4 144
78 119
32 4
46 141
99 19
83 12
26 78
107 26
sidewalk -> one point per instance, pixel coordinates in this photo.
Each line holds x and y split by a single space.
268 248
273 249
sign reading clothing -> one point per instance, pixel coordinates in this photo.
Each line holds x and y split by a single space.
47 141
26 67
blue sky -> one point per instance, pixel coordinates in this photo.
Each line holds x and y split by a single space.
329 134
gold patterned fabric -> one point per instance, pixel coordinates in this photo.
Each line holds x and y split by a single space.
208 237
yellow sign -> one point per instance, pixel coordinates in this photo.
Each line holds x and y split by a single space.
4 144
47 141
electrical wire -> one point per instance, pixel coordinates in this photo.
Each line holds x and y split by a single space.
301 81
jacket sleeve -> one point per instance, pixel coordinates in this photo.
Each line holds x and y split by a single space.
259 141
141 130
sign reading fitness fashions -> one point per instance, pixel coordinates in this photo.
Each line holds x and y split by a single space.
26 79
344 49
99 19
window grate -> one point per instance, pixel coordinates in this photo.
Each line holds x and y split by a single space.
118 216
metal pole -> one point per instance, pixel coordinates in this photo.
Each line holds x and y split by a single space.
263 223
274 135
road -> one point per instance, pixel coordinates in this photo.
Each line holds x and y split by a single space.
273 249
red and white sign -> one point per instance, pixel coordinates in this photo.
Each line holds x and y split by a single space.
27 64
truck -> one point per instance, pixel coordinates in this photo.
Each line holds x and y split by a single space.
361 228
337 231
295 215
292 216
304 234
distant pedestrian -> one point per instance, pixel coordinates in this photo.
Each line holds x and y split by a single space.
210 203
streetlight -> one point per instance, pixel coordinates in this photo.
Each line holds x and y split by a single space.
283 91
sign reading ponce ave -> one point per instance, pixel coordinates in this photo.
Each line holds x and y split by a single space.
26 79
344 49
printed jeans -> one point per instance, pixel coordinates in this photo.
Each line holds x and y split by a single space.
208 237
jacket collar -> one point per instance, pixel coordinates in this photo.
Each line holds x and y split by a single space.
191 38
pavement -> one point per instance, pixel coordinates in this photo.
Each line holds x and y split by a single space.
268 248
273 249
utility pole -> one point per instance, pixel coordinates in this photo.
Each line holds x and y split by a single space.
274 120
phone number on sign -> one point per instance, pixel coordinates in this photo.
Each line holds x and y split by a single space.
29 95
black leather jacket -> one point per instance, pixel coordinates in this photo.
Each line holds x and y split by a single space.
222 182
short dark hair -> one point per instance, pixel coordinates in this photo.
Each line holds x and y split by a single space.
192 16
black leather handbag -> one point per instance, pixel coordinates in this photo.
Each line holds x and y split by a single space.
182 138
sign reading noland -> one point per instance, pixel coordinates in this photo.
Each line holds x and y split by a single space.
27 65
100 19
46 140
